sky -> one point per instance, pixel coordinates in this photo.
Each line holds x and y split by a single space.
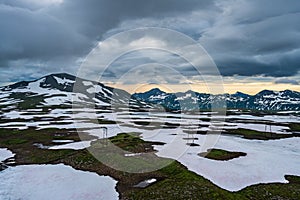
254 44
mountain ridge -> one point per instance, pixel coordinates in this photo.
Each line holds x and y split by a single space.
236 93
57 89
269 100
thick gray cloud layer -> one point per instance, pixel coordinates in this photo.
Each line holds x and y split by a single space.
286 81
259 37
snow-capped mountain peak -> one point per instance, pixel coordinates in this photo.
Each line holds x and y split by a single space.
57 90
264 100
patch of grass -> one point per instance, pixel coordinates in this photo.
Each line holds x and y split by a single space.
4 133
14 141
28 100
99 121
294 126
181 184
21 142
220 154
274 190
112 152
252 134
144 123
44 156
132 142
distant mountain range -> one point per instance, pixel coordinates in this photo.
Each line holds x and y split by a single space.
56 90
265 100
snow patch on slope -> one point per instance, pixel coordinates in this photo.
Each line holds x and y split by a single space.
58 182
63 81
5 154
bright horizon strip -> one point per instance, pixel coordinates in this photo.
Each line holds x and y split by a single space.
231 88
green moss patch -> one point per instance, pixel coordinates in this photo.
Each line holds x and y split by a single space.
14 141
294 126
258 135
220 154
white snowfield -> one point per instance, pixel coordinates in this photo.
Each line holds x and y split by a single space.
130 118
59 182
265 162
5 154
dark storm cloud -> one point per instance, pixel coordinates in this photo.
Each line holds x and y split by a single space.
34 35
34 31
248 38
258 37
277 65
